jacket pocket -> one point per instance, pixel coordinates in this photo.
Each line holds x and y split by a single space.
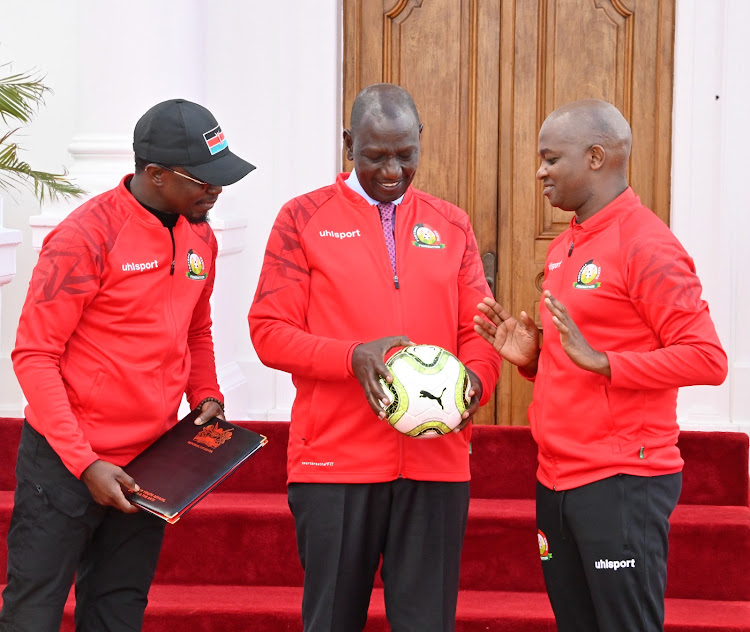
94 391
625 407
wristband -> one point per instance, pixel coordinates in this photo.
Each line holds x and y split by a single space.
210 399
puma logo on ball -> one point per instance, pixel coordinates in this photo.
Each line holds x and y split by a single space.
429 395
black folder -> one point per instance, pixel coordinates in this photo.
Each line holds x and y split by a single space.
186 463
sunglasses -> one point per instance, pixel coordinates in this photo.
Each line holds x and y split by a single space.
187 177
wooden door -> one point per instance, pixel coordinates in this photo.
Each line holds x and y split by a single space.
484 75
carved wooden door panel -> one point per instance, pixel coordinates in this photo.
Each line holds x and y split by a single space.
484 74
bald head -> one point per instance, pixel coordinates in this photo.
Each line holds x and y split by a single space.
382 100
584 148
594 122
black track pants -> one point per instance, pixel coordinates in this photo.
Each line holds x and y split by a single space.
57 532
604 552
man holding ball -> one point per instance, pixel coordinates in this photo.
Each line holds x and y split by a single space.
327 310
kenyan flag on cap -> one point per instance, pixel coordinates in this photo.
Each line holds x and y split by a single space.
215 140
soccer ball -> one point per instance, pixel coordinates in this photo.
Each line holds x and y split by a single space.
429 392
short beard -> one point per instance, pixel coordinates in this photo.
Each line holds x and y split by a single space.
201 219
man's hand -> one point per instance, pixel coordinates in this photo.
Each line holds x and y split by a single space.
368 365
517 341
209 410
475 393
104 479
572 340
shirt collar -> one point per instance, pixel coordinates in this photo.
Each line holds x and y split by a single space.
353 183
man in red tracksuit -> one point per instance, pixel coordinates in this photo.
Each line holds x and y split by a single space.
623 328
339 288
116 328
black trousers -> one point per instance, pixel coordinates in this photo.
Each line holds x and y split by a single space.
604 552
343 530
57 532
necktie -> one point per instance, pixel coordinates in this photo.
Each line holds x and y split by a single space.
387 209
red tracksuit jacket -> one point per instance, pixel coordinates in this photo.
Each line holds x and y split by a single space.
632 290
109 339
327 285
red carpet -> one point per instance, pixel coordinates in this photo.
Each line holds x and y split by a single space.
231 563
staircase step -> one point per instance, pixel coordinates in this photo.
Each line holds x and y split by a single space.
235 539
249 539
240 542
503 463
706 544
230 608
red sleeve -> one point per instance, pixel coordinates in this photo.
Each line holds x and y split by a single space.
473 350
63 283
277 316
202 381
666 292
531 377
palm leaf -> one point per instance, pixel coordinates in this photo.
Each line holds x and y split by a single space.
20 94
18 173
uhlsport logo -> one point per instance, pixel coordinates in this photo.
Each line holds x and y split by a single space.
588 276
543 546
140 267
215 140
340 234
425 237
614 565
196 269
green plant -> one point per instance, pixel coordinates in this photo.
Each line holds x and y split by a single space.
20 95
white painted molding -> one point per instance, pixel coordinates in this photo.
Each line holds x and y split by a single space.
41 226
234 388
270 393
285 394
280 414
99 163
230 234
9 239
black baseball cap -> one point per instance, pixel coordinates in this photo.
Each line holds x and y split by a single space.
180 133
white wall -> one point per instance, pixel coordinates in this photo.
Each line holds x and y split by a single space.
271 73
711 132
46 141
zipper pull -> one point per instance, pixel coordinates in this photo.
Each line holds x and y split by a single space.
171 269
570 250
395 280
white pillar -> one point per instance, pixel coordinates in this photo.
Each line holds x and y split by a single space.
125 61
9 239
735 136
710 132
269 71
276 74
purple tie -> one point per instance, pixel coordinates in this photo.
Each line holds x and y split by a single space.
387 209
